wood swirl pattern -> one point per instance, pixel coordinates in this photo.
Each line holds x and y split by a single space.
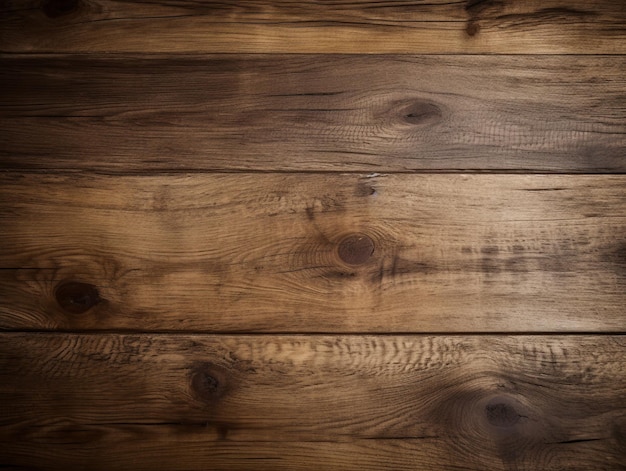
189 402
313 113
314 253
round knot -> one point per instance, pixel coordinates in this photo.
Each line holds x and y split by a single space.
76 297
355 249
501 413
208 381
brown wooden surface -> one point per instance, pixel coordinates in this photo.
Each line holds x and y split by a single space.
259 235
440 26
314 112
310 402
274 253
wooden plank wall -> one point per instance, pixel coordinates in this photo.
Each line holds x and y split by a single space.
333 235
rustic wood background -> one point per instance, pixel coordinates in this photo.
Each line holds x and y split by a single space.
330 235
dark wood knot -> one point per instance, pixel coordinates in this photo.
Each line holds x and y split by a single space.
76 297
500 412
355 249
208 382
56 8
472 28
477 10
422 112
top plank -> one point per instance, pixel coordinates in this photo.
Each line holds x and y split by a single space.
342 26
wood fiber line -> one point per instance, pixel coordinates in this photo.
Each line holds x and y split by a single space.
314 253
319 113
304 402
441 26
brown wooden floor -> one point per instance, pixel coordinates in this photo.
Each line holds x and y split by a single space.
331 235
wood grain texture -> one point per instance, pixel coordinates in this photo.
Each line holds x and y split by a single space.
222 225
187 402
314 252
441 26
140 114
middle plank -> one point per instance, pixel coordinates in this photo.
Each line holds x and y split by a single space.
314 252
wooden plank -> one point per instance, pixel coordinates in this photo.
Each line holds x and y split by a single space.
439 26
545 114
314 252
286 402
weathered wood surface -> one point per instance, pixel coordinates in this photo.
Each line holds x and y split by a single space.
314 112
301 402
149 199
440 26
314 252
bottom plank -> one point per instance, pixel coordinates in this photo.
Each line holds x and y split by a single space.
276 402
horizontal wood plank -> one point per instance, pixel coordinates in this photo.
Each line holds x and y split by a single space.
411 113
314 252
182 402
439 26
